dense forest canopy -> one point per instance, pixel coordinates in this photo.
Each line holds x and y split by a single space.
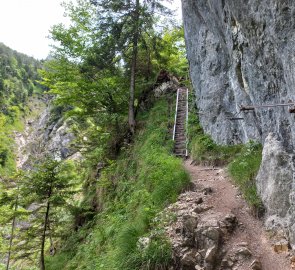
18 77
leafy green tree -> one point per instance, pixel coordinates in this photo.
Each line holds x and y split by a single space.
103 39
171 53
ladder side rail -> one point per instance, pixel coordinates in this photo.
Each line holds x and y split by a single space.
186 124
175 118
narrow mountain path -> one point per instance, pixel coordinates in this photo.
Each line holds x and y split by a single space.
226 199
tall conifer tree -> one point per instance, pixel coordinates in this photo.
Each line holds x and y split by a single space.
128 21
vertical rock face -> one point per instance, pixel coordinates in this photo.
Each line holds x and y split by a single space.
43 136
241 52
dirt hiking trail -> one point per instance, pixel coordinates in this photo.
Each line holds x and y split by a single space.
226 198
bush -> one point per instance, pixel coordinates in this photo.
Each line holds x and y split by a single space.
204 150
3 156
243 170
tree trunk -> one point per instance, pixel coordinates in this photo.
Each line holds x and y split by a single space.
12 234
149 66
131 116
52 247
42 260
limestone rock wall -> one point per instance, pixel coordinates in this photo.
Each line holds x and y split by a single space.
242 52
43 136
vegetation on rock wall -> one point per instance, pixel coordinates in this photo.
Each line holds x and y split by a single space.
244 169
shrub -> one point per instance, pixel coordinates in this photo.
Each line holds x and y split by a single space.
3 156
243 170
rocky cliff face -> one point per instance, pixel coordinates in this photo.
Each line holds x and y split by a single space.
241 52
43 135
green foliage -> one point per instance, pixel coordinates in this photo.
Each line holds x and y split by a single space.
39 201
170 54
3 156
203 149
243 169
18 75
143 180
89 76
7 157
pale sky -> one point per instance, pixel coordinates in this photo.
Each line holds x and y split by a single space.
25 24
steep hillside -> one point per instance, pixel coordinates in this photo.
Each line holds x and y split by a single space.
241 54
131 191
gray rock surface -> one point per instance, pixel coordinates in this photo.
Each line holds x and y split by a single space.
241 52
274 183
43 136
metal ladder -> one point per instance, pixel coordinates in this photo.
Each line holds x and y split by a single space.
180 123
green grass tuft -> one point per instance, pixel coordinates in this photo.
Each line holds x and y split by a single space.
243 170
204 150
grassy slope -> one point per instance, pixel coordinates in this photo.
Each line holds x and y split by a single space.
145 178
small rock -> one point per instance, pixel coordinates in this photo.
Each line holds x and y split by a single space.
281 246
143 242
202 208
189 259
227 263
213 233
207 190
184 251
211 254
243 252
202 252
198 267
229 223
256 265
198 257
241 225
292 259
190 223
199 200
